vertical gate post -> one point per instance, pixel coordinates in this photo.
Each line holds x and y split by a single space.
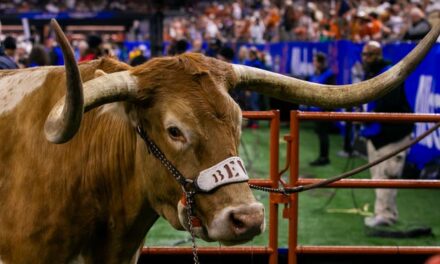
293 179
273 171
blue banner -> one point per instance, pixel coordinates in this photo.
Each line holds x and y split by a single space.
38 15
422 89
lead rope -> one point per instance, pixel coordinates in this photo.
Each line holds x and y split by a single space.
189 195
289 190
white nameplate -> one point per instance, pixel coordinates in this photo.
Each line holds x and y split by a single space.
228 171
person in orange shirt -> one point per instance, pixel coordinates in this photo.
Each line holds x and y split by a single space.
375 26
334 26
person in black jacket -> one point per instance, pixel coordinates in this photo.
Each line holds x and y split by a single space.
383 137
419 26
323 75
7 52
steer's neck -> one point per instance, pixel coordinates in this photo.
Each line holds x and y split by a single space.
113 142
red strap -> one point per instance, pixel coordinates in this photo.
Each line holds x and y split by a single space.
196 222
183 200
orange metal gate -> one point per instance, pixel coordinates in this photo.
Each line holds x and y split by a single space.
294 248
291 201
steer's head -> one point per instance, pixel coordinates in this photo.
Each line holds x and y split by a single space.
182 104
185 109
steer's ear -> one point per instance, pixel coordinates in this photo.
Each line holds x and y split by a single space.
99 73
120 111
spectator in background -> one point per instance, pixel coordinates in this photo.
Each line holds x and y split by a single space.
197 45
323 75
108 50
288 21
38 57
243 55
365 31
305 29
272 22
182 46
81 47
178 47
375 26
214 46
94 49
7 53
138 56
54 51
227 54
212 31
22 53
394 25
383 138
253 98
256 30
419 26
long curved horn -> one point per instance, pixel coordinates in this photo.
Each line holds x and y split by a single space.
61 125
113 87
65 117
108 88
295 90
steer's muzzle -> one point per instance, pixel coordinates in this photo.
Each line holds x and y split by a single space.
237 224
246 223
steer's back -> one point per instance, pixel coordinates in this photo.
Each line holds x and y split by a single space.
42 214
25 99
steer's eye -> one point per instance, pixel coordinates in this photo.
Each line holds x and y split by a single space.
175 133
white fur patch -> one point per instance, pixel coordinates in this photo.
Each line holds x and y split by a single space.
240 122
225 172
13 88
116 109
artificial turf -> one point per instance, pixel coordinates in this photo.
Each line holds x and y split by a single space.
327 216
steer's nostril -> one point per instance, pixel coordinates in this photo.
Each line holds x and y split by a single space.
245 225
236 222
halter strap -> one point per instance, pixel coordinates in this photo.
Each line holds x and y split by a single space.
230 170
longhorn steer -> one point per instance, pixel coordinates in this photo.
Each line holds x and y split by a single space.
95 197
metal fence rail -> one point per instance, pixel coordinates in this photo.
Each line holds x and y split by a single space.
294 180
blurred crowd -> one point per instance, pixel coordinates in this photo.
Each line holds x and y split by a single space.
209 26
213 28
261 21
264 21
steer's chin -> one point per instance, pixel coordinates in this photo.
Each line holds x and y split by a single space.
230 226
230 236
227 238
199 231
